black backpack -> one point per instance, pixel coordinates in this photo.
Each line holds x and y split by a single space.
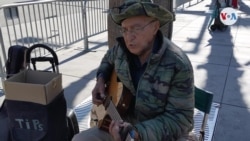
16 59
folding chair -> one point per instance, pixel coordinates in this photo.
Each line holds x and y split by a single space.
203 102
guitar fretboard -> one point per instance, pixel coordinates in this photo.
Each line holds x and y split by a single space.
113 113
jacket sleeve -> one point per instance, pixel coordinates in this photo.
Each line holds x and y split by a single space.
177 117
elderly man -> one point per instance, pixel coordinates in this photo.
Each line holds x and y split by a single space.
157 73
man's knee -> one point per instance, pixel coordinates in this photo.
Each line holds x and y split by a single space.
188 137
82 136
76 138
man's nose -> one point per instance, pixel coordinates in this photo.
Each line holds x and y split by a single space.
130 36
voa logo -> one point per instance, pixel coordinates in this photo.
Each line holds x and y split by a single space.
228 16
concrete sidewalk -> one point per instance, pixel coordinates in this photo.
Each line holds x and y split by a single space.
221 62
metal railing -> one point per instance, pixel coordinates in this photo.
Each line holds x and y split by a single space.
56 23
181 4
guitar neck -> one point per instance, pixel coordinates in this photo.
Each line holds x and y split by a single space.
113 113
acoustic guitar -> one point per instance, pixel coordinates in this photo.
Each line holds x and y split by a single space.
115 111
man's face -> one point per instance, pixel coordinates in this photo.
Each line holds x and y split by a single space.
139 33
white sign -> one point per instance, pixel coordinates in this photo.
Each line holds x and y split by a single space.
228 16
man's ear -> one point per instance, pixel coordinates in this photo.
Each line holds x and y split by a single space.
156 27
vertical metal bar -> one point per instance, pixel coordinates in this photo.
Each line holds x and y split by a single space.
86 48
97 16
39 17
86 17
96 8
40 20
65 23
70 22
69 33
20 26
45 23
67 19
101 11
61 23
13 24
7 25
57 22
3 46
31 27
35 23
53 21
105 17
100 15
76 26
2 71
26 28
90 19
50 35
80 19
44 37
92 27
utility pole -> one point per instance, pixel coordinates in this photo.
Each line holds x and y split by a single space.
113 30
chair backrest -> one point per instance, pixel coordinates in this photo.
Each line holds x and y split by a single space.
203 100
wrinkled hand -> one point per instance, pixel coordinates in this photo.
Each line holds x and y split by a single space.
114 129
98 92
119 129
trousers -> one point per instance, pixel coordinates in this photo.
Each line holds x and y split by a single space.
93 134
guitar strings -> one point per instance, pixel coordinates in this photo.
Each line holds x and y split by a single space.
113 113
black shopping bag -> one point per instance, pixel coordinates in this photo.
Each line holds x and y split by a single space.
30 121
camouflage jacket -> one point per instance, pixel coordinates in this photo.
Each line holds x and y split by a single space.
165 94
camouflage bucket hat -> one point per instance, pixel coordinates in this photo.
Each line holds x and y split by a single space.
132 8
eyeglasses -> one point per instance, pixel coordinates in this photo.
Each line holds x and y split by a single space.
135 30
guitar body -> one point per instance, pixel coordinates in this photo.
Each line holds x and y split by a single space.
124 102
115 102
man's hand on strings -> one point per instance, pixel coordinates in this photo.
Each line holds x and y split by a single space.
119 129
114 129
